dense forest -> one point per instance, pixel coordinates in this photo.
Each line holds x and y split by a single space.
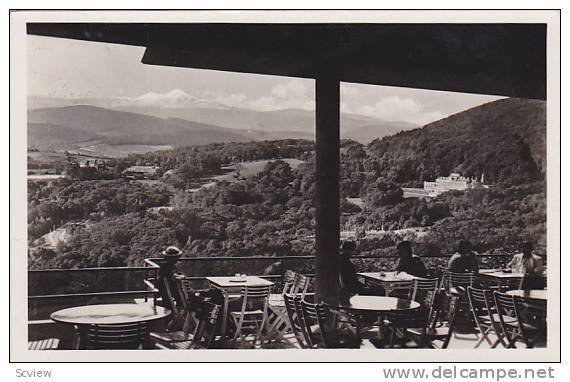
271 213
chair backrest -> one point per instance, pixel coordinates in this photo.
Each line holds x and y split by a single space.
207 315
174 297
414 318
456 279
423 285
402 289
255 291
482 304
299 310
128 336
255 297
506 310
288 281
314 320
505 305
480 300
531 314
294 315
301 285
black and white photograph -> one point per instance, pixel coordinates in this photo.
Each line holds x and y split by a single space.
331 185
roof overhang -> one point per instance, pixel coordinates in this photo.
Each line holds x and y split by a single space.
495 59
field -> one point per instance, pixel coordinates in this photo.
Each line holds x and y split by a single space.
118 151
249 169
240 171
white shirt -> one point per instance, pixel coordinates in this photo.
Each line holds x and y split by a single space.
528 265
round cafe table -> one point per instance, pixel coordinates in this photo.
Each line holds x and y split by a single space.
375 304
536 294
107 314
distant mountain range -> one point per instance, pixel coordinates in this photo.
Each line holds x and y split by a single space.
177 119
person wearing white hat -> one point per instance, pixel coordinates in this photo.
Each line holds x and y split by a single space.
172 252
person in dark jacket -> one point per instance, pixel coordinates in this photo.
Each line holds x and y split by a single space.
347 271
464 260
408 262
168 282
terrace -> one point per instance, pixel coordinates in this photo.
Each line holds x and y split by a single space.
53 290
448 57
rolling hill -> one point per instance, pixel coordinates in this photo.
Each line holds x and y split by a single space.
504 139
368 133
277 124
76 125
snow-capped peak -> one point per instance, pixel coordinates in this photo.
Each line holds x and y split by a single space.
176 98
171 96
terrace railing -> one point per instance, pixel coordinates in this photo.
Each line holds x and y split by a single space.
52 289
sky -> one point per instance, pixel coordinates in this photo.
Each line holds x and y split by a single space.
78 69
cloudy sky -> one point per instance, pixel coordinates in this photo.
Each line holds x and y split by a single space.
79 69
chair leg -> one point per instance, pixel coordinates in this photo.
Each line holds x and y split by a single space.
259 334
391 344
238 331
484 336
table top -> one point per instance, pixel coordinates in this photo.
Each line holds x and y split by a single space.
500 274
232 282
537 294
378 303
110 314
391 277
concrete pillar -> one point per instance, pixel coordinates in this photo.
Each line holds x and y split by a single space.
327 233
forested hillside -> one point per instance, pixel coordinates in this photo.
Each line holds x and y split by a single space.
271 213
505 140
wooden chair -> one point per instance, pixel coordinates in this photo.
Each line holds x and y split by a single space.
508 320
456 283
253 315
288 284
171 287
301 285
319 328
434 331
485 316
194 305
294 314
420 290
402 289
398 322
450 281
204 336
532 318
288 280
128 336
278 321
45 344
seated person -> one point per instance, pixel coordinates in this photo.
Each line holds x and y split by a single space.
347 271
529 264
408 262
526 262
168 283
349 282
464 259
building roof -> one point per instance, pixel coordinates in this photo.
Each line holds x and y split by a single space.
500 59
